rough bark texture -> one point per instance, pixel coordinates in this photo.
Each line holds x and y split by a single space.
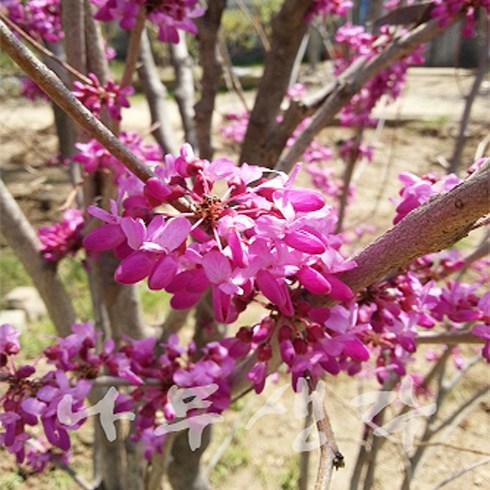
184 87
288 29
184 471
23 241
96 59
73 20
156 95
436 225
211 72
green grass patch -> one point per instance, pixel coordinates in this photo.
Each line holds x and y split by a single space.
233 458
12 274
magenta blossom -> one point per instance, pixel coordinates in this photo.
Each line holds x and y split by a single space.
64 238
168 15
96 96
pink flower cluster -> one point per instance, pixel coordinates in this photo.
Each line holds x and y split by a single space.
168 15
444 10
64 238
96 96
29 399
417 190
234 126
329 7
393 311
39 18
261 236
356 43
93 156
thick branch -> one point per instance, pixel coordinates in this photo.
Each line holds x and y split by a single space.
346 86
23 241
433 226
55 89
288 30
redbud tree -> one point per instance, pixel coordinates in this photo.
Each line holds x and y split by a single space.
222 235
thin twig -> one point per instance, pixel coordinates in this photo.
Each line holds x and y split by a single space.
75 476
449 338
461 472
330 456
256 25
232 81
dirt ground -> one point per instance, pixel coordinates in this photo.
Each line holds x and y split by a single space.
417 135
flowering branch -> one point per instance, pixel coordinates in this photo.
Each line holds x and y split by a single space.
57 91
445 219
330 100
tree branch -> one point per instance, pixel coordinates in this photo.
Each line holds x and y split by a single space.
184 87
56 90
331 100
25 244
211 71
156 95
437 224
288 30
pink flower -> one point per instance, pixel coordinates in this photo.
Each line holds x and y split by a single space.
96 96
64 238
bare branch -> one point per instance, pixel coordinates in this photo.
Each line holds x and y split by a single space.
211 72
484 38
156 95
461 472
184 87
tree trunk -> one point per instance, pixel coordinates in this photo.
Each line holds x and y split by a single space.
156 95
184 88
211 72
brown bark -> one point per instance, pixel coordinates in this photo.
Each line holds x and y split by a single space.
96 59
288 30
184 87
208 26
156 95
73 20
25 244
